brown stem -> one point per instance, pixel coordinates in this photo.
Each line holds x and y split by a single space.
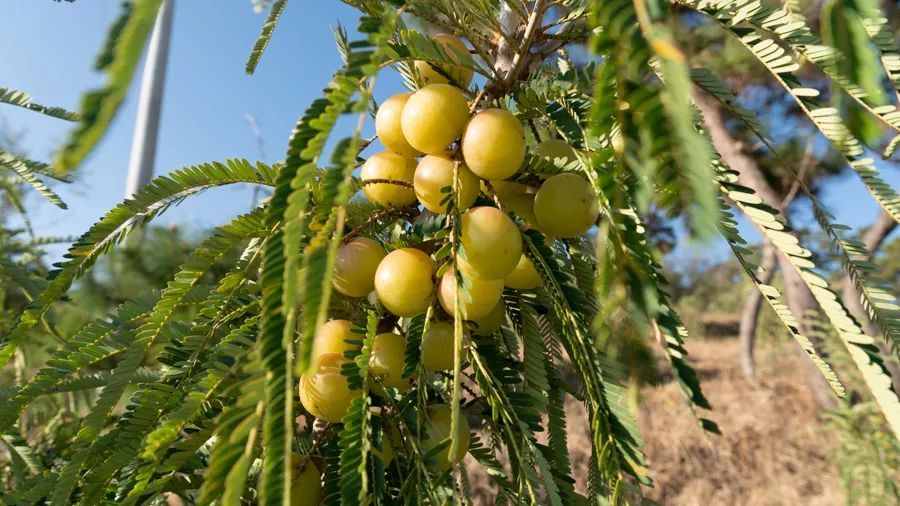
375 217
750 312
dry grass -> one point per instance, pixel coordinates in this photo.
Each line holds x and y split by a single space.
771 451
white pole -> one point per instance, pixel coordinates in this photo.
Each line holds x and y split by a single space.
146 128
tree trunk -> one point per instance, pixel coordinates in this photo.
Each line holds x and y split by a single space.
873 238
750 313
798 297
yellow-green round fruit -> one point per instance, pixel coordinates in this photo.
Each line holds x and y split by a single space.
451 45
492 242
522 205
355 265
434 117
493 144
484 294
438 426
524 276
387 125
437 347
554 150
332 338
386 360
404 282
566 206
504 189
306 481
325 392
492 322
387 165
435 172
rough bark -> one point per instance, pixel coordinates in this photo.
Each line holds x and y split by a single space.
873 238
750 313
798 297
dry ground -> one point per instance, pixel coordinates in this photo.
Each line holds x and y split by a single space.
772 451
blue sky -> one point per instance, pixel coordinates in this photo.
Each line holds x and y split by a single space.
48 49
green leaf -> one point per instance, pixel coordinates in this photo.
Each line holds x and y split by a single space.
26 170
152 200
262 41
22 99
119 58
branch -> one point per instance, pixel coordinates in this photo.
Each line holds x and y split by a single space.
873 238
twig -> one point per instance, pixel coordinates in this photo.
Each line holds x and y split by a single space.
530 29
477 100
375 217
405 184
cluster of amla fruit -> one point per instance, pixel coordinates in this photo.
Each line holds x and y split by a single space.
431 138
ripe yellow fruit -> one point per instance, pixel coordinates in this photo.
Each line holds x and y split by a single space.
386 360
522 205
404 282
492 322
387 165
306 481
355 265
566 205
524 276
435 172
325 393
438 427
493 144
434 117
332 338
454 47
555 149
483 294
387 125
504 189
492 242
437 347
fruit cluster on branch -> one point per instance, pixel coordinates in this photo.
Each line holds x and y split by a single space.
455 158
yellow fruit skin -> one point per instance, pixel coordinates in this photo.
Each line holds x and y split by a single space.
437 347
522 205
492 242
492 322
438 425
387 125
461 76
387 165
555 149
331 338
355 265
493 144
484 294
404 282
435 172
566 205
306 484
325 392
386 360
504 189
434 117
524 276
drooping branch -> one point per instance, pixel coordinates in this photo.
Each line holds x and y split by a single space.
750 312
873 238
798 297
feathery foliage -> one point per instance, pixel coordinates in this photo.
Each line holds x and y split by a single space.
193 391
